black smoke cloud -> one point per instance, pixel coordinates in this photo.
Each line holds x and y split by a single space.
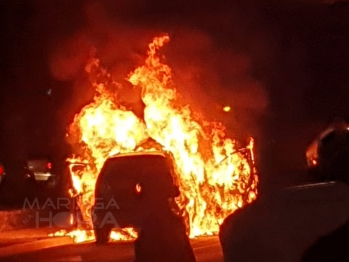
215 53
209 64
283 67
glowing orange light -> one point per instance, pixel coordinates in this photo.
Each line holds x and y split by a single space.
226 109
215 176
138 188
71 219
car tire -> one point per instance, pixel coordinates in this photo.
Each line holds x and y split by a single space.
102 235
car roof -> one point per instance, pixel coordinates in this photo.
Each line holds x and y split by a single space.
141 153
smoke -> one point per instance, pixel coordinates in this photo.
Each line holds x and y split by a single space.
67 60
210 70
281 66
210 78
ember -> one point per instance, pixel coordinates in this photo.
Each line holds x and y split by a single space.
216 176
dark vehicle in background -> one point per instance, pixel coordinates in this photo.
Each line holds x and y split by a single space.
126 186
2 174
40 170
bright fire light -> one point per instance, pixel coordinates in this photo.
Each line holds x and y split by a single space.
226 109
216 176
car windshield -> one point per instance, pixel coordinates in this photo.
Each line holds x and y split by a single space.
134 167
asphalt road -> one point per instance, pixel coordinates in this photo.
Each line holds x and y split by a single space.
205 248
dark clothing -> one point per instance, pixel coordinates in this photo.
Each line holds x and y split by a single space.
163 238
282 226
331 248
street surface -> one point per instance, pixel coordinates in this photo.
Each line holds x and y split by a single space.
207 249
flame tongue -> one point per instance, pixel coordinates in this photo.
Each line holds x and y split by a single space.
215 178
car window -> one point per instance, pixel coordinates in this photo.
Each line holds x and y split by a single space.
135 167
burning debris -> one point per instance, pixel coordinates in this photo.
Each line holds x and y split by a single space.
216 176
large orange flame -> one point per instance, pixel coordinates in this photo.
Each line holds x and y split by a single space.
216 177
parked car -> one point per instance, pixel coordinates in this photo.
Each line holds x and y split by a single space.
2 174
40 170
126 186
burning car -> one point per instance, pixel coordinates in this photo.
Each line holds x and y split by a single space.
125 187
216 174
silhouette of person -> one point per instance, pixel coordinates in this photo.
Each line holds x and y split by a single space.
162 235
282 225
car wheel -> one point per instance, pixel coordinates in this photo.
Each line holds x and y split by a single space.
102 235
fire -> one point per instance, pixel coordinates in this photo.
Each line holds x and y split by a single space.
80 236
216 176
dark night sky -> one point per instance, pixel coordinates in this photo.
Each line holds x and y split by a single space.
283 66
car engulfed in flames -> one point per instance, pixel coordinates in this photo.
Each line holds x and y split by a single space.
216 175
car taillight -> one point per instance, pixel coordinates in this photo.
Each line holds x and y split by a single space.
2 170
48 165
